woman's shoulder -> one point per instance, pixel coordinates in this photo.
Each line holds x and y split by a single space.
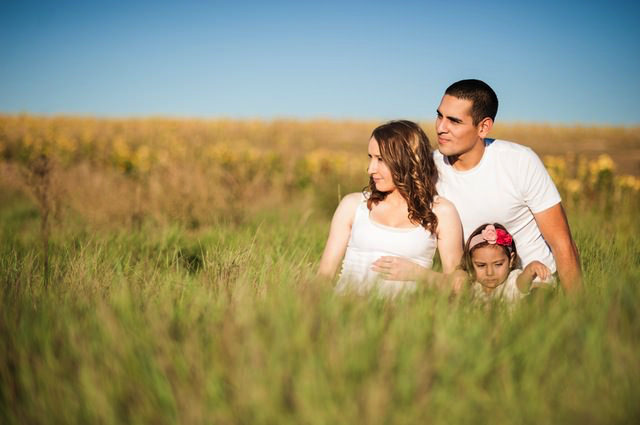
354 198
349 203
346 210
448 218
443 206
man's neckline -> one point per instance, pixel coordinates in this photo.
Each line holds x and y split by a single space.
487 142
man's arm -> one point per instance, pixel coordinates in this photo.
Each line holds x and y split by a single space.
554 227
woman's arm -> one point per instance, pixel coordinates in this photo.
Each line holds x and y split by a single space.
339 234
449 233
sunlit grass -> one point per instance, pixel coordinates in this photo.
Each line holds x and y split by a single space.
185 292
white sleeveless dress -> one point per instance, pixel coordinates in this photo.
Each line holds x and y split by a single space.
371 240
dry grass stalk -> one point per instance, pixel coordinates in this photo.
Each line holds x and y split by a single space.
39 180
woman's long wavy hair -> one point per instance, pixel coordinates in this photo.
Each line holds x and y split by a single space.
405 149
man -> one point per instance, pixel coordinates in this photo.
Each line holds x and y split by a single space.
498 181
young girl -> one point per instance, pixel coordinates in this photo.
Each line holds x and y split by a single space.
387 235
491 259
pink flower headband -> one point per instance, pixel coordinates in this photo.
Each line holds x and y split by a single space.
492 236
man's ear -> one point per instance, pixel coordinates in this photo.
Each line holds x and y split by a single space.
484 127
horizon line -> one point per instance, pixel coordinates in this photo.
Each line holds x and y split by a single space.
291 118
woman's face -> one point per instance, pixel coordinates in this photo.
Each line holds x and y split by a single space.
491 265
378 169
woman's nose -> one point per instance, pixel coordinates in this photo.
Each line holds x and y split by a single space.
372 166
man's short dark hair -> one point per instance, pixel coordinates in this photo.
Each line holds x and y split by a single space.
484 102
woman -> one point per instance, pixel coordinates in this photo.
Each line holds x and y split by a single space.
388 234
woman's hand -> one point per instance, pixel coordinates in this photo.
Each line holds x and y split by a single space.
458 281
397 268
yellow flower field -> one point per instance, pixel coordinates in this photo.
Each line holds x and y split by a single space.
114 169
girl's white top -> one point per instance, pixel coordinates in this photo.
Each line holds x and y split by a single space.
507 292
371 240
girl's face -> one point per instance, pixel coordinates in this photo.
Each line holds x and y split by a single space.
378 169
491 265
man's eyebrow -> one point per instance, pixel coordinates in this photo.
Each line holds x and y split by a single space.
454 119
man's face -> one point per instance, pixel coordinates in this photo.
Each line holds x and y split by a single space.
454 125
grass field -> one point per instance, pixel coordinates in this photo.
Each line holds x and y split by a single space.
162 271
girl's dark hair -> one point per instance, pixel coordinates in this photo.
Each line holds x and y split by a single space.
405 149
467 264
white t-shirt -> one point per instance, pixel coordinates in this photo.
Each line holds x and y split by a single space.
508 186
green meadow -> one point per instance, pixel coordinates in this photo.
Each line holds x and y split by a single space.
135 291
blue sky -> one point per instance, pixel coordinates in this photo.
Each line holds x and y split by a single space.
559 62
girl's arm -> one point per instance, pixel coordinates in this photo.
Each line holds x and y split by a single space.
449 233
339 234
533 270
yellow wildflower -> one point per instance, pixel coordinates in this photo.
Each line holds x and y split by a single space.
573 186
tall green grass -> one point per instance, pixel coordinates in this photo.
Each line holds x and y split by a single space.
226 324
